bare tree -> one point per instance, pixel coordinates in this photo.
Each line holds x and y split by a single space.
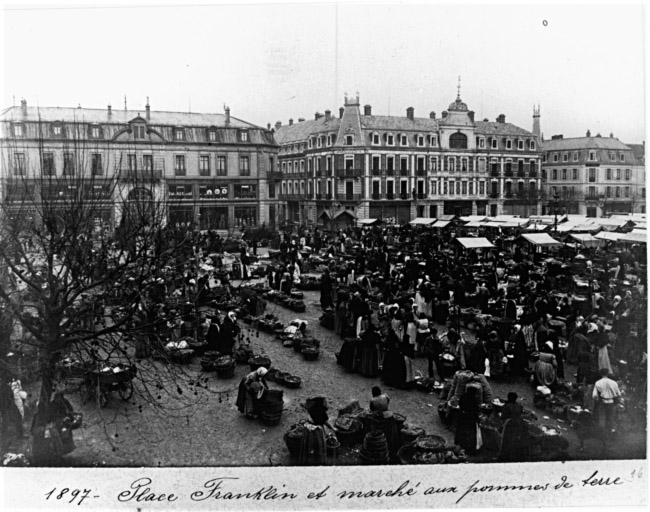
81 255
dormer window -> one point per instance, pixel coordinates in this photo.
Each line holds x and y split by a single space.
556 157
375 138
592 155
495 144
434 141
420 140
481 143
310 143
139 132
56 130
520 145
403 140
565 157
508 144
330 139
179 134
390 140
18 130
575 156
212 135
95 131
621 157
532 145
349 140
243 136
319 142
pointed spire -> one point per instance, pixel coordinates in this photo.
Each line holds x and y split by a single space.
125 103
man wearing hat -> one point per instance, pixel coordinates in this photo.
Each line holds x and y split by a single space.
606 394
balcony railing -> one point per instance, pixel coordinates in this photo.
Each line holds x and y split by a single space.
349 173
421 172
376 172
521 174
389 195
420 195
507 174
349 197
532 174
141 174
494 195
323 197
494 174
376 197
508 195
403 172
291 197
405 196
390 172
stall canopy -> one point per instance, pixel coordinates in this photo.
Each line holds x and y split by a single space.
608 235
422 221
368 222
475 243
536 227
541 239
442 224
636 237
474 224
344 212
473 218
587 240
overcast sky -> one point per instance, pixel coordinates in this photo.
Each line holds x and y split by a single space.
583 64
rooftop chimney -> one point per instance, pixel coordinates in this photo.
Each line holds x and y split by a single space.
367 110
23 107
557 137
147 110
110 111
409 113
328 115
341 110
290 122
317 116
486 120
268 126
227 109
470 114
598 135
501 119
278 124
444 114
611 135
432 115
301 119
588 133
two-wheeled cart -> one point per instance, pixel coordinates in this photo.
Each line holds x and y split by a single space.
100 384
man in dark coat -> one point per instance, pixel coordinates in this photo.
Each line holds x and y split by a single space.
212 336
229 332
326 290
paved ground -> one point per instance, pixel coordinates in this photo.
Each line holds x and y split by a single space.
213 433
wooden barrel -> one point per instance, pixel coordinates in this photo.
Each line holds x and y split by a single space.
271 406
375 448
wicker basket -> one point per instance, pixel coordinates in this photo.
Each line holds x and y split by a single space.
225 372
292 381
411 434
310 353
257 362
182 356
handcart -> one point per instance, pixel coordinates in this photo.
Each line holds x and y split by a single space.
101 383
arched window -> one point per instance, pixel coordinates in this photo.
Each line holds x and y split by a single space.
458 141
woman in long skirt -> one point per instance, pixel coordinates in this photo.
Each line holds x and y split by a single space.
467 424
251 389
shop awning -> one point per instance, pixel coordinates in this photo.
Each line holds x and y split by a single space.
537 227
587 240
344 212
475 243
638 237
474 224
442 224
367 222
543 239
473 218
422 221
608 235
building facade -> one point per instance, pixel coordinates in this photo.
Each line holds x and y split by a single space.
401 167
211 171
593 175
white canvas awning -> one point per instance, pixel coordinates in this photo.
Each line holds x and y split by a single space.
537 227
608 235
367 222
587 240
422 221
474 224
475 243
473 218
541 239
441 223
640 237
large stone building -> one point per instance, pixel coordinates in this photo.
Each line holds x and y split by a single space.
593 175
399 167
210 170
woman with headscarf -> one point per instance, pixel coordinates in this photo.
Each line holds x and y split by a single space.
545 369
251 389
369 352
602 342
228 335
393 371
496 356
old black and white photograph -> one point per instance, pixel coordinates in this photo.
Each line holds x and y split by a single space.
318 239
